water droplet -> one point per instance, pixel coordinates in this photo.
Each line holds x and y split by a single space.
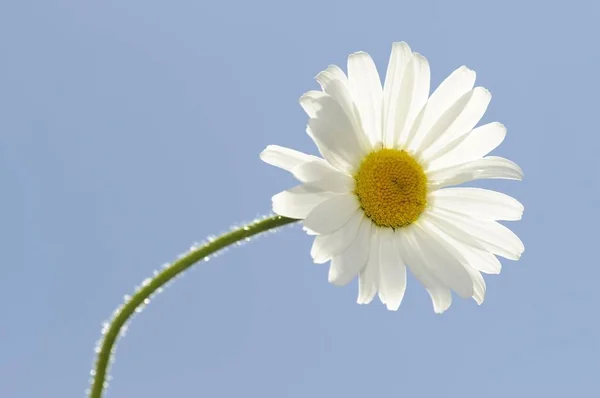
207 258
146 282
126 299
146 301
93 372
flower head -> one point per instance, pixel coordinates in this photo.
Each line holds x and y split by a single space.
380 198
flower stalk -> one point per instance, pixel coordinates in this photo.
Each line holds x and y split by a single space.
152 285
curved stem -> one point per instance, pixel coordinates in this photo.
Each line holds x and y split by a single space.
126 310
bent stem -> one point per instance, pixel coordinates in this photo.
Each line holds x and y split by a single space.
148 289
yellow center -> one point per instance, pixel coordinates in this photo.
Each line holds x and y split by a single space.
391 187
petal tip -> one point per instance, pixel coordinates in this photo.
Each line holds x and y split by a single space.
484 91
466 70
466 73
265 153
500 126
359 56
365 299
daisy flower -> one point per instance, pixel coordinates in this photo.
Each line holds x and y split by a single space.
382 197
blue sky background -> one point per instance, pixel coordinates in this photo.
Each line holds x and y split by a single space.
131 129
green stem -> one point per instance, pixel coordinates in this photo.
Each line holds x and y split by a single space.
148 289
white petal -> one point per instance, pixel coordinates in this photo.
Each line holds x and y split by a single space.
450 228
345 266
396 90
412 253
469 262
329 79
332 131
309 231
487 235
472 146
458 120
479 203
329 180
310 102
479 285
449 91
334 82
392 277
442 261
490 167
286 158
478 259
299 201
331 214
368 279
414 91
367 93
327 246
313 170
333 72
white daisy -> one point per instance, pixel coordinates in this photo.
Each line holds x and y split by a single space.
379 201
